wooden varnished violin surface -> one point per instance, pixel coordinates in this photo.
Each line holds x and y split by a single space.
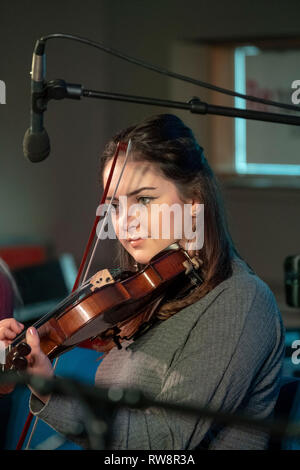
102 303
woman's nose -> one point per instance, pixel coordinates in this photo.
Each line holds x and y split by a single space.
127 221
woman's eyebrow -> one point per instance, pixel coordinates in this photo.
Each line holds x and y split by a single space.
136 191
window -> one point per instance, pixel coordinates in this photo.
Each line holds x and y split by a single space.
260 147
243 152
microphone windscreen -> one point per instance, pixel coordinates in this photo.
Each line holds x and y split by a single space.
36 147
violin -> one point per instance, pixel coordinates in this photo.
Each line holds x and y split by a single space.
101 304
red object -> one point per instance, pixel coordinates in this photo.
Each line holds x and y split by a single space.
24 431
20 256
6 297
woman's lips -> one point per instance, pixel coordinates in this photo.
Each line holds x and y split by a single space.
135 242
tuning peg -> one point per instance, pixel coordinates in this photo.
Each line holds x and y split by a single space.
23 349
18 363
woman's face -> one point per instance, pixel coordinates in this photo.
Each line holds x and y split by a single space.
142 225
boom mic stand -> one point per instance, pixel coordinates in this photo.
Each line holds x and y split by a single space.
58 89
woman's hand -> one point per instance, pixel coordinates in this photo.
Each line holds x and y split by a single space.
38 362
9 329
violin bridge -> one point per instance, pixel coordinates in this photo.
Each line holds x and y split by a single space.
101 278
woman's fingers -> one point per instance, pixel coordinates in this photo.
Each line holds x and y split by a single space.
33 339
10 328
6 333
16 326
12 323
38 362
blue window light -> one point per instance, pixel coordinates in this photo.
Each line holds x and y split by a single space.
241 164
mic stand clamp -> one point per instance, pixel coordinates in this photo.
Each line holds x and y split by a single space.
55 90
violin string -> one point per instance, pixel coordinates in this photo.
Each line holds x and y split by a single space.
32 432
107 212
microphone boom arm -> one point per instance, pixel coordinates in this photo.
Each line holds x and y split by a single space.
58 89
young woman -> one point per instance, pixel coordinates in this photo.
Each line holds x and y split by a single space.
217 341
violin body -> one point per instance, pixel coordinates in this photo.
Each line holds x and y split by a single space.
101 305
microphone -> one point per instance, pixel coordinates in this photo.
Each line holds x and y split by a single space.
36 144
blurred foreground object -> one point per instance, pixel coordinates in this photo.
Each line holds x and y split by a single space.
9 293
292 280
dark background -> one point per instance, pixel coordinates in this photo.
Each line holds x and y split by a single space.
55 201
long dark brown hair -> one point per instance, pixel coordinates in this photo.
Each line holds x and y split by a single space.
170 146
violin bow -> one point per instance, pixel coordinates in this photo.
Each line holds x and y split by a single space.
127 150
123 147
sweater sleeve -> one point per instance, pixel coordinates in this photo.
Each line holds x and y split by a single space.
230 360
66 416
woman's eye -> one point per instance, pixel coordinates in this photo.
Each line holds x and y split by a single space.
144 200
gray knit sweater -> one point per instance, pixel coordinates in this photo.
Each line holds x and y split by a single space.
224 351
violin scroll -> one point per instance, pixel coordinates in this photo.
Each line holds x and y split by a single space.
16 357
19 361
